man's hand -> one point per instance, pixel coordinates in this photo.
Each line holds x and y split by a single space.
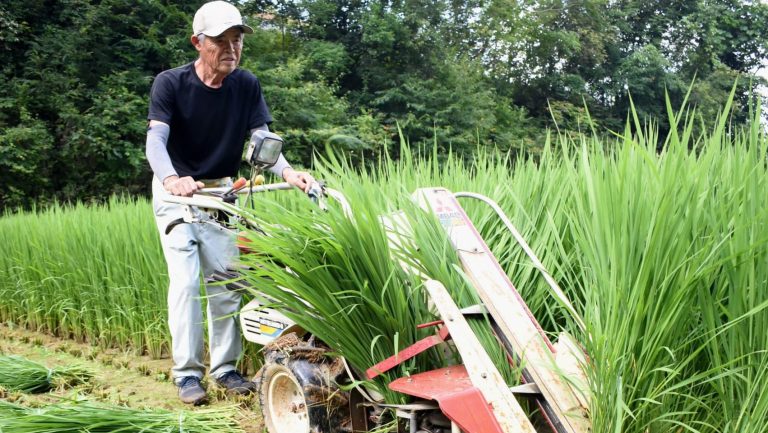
300 179
183 186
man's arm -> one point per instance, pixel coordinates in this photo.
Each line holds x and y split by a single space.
157 153
160 161
299 179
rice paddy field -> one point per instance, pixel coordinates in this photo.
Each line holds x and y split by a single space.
661 246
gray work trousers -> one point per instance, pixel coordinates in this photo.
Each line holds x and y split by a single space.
192 250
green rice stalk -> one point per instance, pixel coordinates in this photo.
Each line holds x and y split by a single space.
347 287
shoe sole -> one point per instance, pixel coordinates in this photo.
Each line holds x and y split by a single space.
239 391
197 402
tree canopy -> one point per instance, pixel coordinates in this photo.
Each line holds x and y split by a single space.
354 74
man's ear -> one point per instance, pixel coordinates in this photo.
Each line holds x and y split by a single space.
195 42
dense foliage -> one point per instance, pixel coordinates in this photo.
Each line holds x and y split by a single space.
350 74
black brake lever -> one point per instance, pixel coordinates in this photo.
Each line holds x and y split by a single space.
173 224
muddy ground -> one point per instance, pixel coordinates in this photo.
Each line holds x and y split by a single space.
120 377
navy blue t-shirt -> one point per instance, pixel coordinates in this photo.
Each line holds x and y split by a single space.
208 126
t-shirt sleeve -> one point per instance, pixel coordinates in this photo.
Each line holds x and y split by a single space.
161 99
260 112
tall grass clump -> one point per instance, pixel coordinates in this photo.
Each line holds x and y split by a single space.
21 374
88 417
92 273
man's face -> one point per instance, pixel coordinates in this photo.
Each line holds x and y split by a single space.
222 53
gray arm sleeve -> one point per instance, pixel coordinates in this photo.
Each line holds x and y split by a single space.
157 153
281 163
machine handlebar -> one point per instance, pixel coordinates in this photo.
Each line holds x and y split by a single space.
224 198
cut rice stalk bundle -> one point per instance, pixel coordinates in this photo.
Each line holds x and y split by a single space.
21 374
343 285
84 416
348 289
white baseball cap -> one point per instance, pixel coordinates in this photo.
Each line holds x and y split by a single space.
216 17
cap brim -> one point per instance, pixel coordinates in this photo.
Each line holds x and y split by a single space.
216 31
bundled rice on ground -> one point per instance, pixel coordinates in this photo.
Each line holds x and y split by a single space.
21 374
88 417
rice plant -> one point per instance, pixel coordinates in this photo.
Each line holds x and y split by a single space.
663 253
21 374
92 273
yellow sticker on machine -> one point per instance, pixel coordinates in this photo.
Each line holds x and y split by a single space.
268 330
271 327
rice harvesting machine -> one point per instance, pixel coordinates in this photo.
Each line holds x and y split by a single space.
300 386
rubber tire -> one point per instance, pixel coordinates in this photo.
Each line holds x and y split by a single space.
283 404
286 404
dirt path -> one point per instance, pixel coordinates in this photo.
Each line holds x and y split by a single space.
119 377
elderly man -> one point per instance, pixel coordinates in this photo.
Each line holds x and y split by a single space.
200 115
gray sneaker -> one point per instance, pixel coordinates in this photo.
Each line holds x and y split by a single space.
191 391
234 383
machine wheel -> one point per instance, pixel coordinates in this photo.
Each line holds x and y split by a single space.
283 404
298 392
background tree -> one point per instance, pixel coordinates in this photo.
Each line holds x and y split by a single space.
353 74
74 107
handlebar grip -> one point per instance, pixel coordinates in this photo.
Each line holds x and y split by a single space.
239 183
237 186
